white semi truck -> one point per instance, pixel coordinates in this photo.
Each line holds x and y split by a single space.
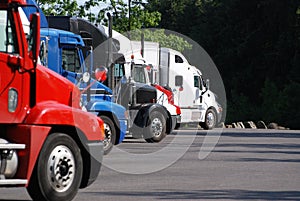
197 102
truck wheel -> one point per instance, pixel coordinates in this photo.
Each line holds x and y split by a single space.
110 134
58 170
156 127
210 120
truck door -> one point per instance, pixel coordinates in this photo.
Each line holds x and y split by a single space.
198 87
13 100
185 91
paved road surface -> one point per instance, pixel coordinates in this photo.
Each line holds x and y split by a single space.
244 165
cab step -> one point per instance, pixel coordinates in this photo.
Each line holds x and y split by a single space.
13 182
11 146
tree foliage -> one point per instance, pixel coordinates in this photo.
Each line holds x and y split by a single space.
69 8
163 37
139 17
256 47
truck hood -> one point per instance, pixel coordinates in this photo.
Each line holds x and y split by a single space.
52 86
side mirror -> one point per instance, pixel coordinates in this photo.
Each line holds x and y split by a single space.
207 84
101 74
34 37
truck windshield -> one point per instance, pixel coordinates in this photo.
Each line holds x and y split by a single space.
8 39
139 73
70 60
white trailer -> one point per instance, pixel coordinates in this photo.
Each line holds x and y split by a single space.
197 102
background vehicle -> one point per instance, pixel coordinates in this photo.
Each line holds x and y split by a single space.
147 119
191 93
63 52
44 145
137 70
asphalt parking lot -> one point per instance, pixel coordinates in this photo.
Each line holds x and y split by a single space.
195 165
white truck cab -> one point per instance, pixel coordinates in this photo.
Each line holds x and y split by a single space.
191 92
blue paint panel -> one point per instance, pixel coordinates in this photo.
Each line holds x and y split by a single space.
30 10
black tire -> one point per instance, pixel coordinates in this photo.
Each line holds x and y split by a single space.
210 120
156 127
177 126
110 134
61 151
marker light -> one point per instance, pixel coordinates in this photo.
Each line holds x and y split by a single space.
12 100
148 68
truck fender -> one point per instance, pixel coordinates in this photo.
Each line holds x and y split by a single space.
115 112
140 121
116 109
54 113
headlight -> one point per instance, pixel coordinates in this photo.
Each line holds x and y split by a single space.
126 114
220 109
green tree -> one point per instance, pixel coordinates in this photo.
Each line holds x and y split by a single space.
176 15
61 7
139 17
69 8
248 41
163 37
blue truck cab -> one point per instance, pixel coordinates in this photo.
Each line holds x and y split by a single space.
63 52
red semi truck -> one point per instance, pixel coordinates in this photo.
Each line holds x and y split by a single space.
47 143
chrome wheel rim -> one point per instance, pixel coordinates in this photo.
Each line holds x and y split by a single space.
61 168
107 131
156 127
210 119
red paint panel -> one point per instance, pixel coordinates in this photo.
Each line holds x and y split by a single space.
54 113
33 137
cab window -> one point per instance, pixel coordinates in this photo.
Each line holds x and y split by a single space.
197 82
139 74
8 38
119 70
178 59
70 60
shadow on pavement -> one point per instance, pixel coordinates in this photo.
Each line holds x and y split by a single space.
206 195
242 133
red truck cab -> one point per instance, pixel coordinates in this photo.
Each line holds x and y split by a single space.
47 143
